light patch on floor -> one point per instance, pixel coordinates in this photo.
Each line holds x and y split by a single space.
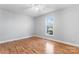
49 48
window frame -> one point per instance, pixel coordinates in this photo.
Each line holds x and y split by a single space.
46 19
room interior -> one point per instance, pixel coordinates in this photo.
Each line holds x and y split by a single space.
39 29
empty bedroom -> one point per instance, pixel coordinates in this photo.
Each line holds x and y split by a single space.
39 29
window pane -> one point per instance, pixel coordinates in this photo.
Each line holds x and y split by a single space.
49 25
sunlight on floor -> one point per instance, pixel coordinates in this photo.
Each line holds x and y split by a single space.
49 48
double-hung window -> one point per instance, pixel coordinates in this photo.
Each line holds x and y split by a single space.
49 25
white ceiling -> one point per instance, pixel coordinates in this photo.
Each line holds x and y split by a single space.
27 8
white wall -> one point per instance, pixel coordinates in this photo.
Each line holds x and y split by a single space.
66 25
40 24
15 26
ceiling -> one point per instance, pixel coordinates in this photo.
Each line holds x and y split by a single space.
33 9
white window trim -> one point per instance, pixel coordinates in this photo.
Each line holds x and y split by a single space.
46 27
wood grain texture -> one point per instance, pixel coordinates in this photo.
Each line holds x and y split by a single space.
36 45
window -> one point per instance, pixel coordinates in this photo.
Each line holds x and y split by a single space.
49 25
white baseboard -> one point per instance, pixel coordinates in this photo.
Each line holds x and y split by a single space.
14 39
40 37
58 40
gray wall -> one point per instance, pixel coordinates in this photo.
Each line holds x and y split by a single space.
15 26
66 25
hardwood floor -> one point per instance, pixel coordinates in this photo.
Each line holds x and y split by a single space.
36 45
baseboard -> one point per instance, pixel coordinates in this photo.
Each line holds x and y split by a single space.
68 43
41 37
14 39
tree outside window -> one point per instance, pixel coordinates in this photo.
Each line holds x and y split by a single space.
49 25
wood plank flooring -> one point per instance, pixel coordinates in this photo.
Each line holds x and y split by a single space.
36 45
